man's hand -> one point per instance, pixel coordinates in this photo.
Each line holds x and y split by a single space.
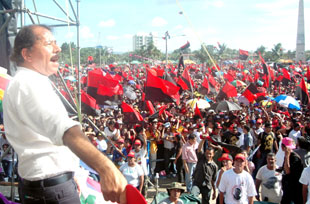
257 197
113 185
214 195
287 152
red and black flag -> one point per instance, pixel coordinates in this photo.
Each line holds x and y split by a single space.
187 45
213 83
89 105
205 88
286 77
266 76
226 92
302 92
308 74
159 112
109 95
252 93
95 77
157 89
130 114
197 111
186 77
243 55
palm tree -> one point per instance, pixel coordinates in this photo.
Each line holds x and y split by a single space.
277 51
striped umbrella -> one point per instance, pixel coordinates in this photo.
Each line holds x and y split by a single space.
238 83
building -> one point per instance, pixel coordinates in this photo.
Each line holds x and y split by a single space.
143 40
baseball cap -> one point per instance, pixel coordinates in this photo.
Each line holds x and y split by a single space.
240 156
218 126
137 142
131 154
225 156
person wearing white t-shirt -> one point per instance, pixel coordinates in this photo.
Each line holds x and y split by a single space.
133 172
296 132
111 131
270 180
237 184
305 181
140 155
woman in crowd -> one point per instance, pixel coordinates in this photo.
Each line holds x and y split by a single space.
133 172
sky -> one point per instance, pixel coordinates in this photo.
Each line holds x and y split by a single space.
239 24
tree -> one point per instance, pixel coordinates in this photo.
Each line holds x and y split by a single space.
261 50
277 51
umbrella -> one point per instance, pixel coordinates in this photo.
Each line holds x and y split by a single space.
266 103
202 103
135 62
189 62
70 78
287 101
130 93
238 83
208 100
244 100
225 106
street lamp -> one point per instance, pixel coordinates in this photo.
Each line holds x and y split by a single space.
166 38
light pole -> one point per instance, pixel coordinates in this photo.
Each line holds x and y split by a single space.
166 38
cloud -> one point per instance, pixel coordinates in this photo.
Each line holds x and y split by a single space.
108 23
86 33
178 27
112 37
218 4
159 22
127 36
69 35
142 33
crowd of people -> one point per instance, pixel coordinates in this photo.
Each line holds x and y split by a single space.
272 140
259 150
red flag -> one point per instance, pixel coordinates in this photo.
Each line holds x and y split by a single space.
252 93
243 55
261 58
227 91
302 92
130 114
197 111
204 89
157 89
150 106
89 105
308 74
108 95
186 77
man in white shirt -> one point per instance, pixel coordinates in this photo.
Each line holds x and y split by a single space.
296 132
237 184
305 181
270 180
37 125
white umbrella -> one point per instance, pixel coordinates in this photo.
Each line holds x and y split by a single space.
202 103
244 100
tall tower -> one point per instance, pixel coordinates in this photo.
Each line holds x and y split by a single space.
300 44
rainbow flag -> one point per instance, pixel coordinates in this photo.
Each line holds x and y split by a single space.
4 81
90 190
